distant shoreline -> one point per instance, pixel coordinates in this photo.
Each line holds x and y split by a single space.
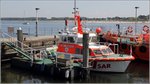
92 21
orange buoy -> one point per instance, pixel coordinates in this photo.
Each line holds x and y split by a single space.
98 30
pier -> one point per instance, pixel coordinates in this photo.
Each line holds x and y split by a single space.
26 57
39 42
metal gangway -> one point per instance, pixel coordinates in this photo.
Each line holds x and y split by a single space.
13 43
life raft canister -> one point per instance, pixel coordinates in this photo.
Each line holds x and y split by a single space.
142 49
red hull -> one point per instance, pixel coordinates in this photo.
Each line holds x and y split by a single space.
139 51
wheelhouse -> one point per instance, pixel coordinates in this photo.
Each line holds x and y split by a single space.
76 38
72 43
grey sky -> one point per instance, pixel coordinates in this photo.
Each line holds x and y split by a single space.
64 8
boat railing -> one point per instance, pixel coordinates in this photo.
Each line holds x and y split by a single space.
115 46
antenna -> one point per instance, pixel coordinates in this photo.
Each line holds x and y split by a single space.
74 5
75 10
77 19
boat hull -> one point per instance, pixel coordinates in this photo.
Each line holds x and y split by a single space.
139 51
110 66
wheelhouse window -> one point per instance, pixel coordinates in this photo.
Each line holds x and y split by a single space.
68 39
109 50
71 39
64 39
97 52
104 51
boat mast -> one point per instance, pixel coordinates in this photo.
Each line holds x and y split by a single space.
75 12
77 19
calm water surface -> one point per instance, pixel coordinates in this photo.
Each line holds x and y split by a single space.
137 72
52 27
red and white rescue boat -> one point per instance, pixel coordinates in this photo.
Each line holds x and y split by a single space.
101 57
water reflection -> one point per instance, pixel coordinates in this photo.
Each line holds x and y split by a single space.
137 72
109 77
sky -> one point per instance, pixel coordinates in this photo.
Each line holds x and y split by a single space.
64 8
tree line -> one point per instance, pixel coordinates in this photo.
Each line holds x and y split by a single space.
117 18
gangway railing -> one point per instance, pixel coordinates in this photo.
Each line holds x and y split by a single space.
13 43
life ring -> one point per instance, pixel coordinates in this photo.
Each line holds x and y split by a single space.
142 49
145 29
130 29
66 49
124 46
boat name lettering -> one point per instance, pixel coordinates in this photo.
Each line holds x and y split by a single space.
104 66
68 46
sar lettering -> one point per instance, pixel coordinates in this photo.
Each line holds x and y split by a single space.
104 66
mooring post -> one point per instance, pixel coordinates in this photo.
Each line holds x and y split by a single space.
36 31
85 49
118 25
86 70
20 38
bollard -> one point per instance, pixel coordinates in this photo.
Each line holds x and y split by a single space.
20 38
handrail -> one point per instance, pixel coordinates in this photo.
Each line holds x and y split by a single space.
109 44
15 42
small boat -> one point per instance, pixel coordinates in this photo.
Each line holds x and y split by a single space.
139 43
26 23
101 57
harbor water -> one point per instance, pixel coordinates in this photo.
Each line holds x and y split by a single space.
52 27
137 72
